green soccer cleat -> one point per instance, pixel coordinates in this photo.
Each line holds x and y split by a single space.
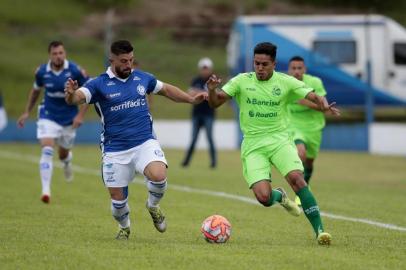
158 218
324 239
298 202
123 234
288 204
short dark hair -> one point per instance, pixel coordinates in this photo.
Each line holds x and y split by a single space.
266 48
53 44
296 58
121 47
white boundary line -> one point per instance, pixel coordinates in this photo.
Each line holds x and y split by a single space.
79 169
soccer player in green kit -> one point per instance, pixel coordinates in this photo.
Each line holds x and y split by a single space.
262 97
306 120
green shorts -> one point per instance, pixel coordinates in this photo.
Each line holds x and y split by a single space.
259 153
311 140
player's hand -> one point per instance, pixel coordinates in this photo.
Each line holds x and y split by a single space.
21 120
71 86
324 106
213 82
77 121
333 110
199 98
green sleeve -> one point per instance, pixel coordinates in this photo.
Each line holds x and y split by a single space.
319 88
297 90
232 87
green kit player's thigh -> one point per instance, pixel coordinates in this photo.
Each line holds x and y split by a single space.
313 142
298 136
255 164
286 159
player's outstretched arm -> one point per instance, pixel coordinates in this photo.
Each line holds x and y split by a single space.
73 97
216 98
32 99
79 118
320 103
177 95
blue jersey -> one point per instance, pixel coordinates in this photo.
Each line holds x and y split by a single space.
123 108
54 107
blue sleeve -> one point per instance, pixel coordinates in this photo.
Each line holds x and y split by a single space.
82 77
151 84
39 78
79 75
92 86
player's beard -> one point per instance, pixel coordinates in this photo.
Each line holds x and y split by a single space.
57 64
123 74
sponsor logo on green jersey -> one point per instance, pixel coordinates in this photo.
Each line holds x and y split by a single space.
255 101
262 115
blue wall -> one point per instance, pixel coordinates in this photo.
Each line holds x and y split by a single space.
88 133
353 137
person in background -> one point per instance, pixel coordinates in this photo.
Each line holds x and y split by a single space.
306 120
3 115
202 114
57 121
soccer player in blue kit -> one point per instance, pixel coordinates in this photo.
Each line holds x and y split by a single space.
128 143
57 121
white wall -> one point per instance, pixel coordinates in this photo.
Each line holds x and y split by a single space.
387 139
178 133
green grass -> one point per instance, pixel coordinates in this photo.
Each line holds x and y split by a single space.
76 230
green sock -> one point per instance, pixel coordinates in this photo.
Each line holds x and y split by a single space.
311 209
276 196
308 174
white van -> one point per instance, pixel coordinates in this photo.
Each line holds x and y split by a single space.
336 48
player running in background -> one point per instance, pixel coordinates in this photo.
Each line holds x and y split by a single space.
57 121
306 120
262 97
3 114
127 141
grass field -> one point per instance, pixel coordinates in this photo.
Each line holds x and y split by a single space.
76 230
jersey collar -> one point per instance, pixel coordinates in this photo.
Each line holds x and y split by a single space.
65 66
111 75
269 80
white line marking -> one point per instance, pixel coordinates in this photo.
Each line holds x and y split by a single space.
79 169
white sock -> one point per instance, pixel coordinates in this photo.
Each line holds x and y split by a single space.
156 191
68 159
45 169
120 211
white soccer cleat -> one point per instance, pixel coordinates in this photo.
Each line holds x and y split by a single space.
288 204
68 172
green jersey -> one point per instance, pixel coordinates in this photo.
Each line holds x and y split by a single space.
304 118
263 104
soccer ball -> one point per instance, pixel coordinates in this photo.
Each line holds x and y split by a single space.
216 229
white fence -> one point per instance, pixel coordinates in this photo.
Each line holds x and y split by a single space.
178 133
387 139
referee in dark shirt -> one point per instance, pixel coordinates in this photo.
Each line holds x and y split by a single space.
202 114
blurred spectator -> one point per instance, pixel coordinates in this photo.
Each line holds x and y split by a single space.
202 114
3 115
